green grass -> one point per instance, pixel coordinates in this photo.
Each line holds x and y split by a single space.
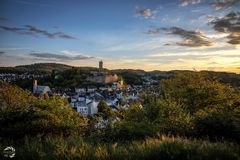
150 148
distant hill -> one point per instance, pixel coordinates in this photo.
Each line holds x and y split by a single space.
132 71
45 67
142 72
35 68
130 75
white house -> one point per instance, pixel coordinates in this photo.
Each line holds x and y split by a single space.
85 106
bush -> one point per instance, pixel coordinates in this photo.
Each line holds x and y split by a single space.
196 91
133 130
212 107
173 119
22 114
217 123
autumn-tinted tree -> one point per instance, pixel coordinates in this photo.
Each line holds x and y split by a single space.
22 114
104 110
213 106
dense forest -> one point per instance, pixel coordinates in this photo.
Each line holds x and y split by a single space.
196 117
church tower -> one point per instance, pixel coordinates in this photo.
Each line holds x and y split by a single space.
35 86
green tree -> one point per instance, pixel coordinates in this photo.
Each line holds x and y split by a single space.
22 114
213 106
104 109
196 91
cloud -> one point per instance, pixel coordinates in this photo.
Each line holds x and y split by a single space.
154 31
188 2
234 38
53 56
219 4
1 53
146 13
216 4
190 38
35 31
13 29
231 55
64 35
229 24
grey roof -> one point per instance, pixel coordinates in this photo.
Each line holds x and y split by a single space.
42 89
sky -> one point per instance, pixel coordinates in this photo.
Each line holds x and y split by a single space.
125 34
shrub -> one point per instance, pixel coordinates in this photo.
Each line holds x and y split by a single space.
213 107
22 114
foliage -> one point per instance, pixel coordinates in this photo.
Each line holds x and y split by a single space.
22 114
213 107
191 104
197 91
232 79
104 110
218 123
132 78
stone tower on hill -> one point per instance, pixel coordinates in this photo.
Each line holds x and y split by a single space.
101 65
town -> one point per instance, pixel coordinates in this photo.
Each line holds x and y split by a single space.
85 100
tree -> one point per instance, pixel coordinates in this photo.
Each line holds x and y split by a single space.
104 110
213 106
22 114
196 91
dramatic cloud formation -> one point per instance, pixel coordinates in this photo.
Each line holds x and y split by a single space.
190 38
146 13
53 56
187 2
229 24
35 31
223 3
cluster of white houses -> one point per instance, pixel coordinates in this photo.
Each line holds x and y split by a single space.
86 100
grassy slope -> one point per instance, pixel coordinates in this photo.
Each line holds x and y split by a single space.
158 148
